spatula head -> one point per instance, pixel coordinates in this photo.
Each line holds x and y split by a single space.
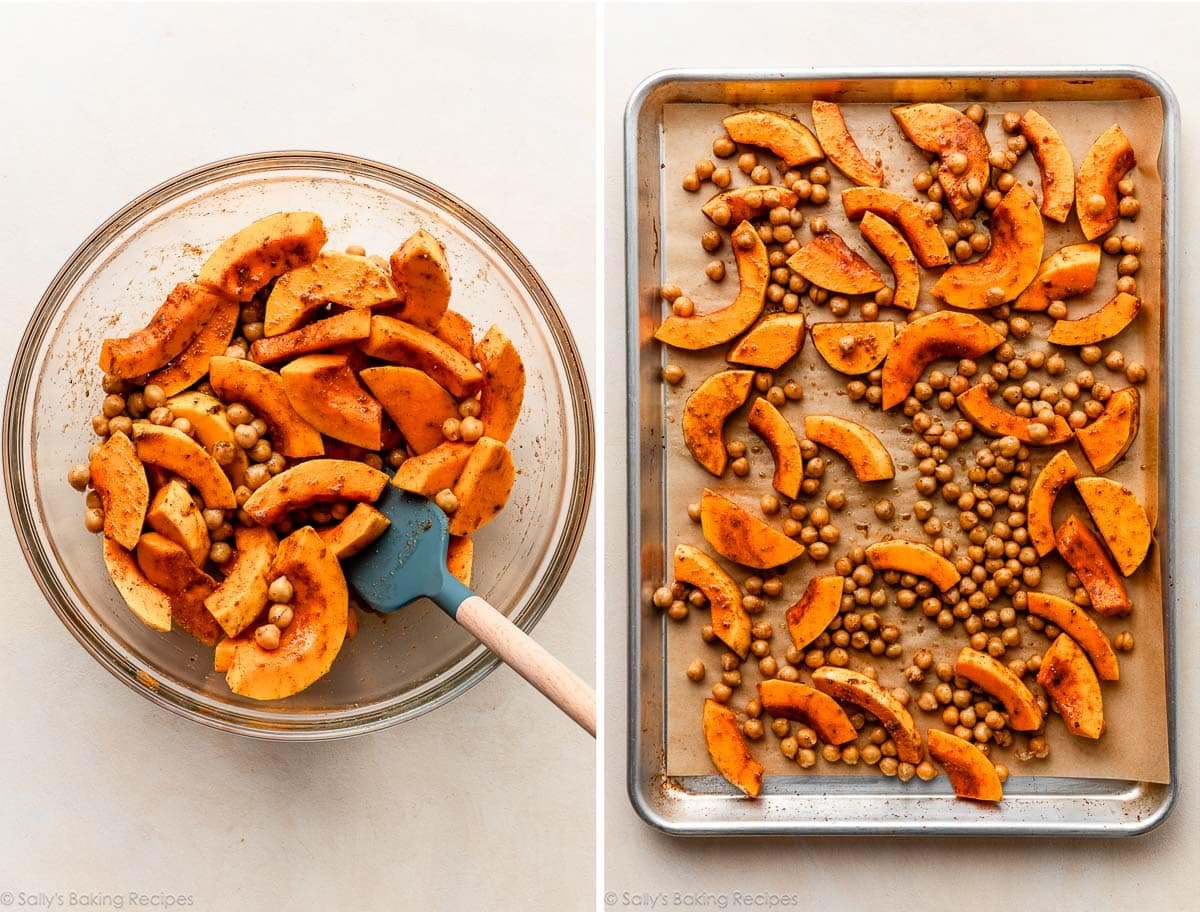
409 560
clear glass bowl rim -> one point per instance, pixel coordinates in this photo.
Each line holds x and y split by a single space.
23 508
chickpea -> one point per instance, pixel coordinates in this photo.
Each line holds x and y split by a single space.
691 182
267 637
1123 641
723 146
722 178
1128 207
446 500
220 552
711 240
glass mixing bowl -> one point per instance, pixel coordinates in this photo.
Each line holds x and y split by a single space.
399 666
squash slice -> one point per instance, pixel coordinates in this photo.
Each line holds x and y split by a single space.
483 487
891 245
1109 437
260 252
362 526
173 326
1108 160
409 346
742 538
325 392
977 407
808 618
998 680
1084 554
915 558
867 455
1054 161
460 558
321 335
944 334
1009 265
854 348
921 232
1067 272
772 343
777 433
1103 323
422 276
730 622
415 401
308 645
970 772
1059 472
150 604
719 326
119 478
315 481
457 332
262 390
728 749
176 452
1070 680
332 278
840 146
207 415
503 384
1074 622
174 514
242 595
801 703
211 340
745 203
169 567
434 470
705 413
1121 519
789 139
947 133
851 687
828 263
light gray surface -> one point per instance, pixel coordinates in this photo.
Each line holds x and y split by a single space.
100 791
643 866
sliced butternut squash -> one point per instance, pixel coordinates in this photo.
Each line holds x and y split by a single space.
891 245
260 252
223 654
944 334
719 326
1059 472
789 139
483 487
457 332
867 455
315 481
361 527
173 326
169 567
192 363
955 139
766 421
918 228
998 680
415 401
915 558
242 595
174 514
207 415
810 616
728 749
1074 622
854 348
1009 265
262 390
970 772
325 392
855 688
977 407
829 263
460 557
745 203
801 703
308 645
742 538
1067 272
321 335
730 622
1109 437
1105 322
332 278
1070 680
503 384
1054 161
771 343
1084 554
409 346
119 478
1109 159
839 145
176 452
1121 519
705 413
150 604
434 470
422 275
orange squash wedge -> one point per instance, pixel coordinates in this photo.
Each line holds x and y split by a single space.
944 334
401 343
801 703
173 326
891 245
434 470
855 443
1068 677
745 203
457 332
705 413
460 558
415 401
1120 518
314 481
174 514
422 276
775 430
855 688
829 263
1074 622
1055 475
483 487
971 773
1109 437
793 142
915 558
362 526
207 415
771 343
730 622
1054 162
321 335
728 749
149 604
947 133
1067 272
324 390
119 478
332 278
977 407
248 260
918 228
742 538
1109 159
262 390
242 595
839 145
503 384
169 568
810 616
176 452
192 363
1084 554
998 680
854 348
1105 322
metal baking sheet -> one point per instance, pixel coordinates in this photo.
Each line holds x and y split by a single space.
808 804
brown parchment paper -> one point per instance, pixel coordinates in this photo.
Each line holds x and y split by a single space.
1134 746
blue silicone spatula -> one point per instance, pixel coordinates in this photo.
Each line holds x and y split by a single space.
409 561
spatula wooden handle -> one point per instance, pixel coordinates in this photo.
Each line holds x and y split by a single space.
530 660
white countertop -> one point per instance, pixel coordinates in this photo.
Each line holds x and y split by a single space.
486 803
1157 871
